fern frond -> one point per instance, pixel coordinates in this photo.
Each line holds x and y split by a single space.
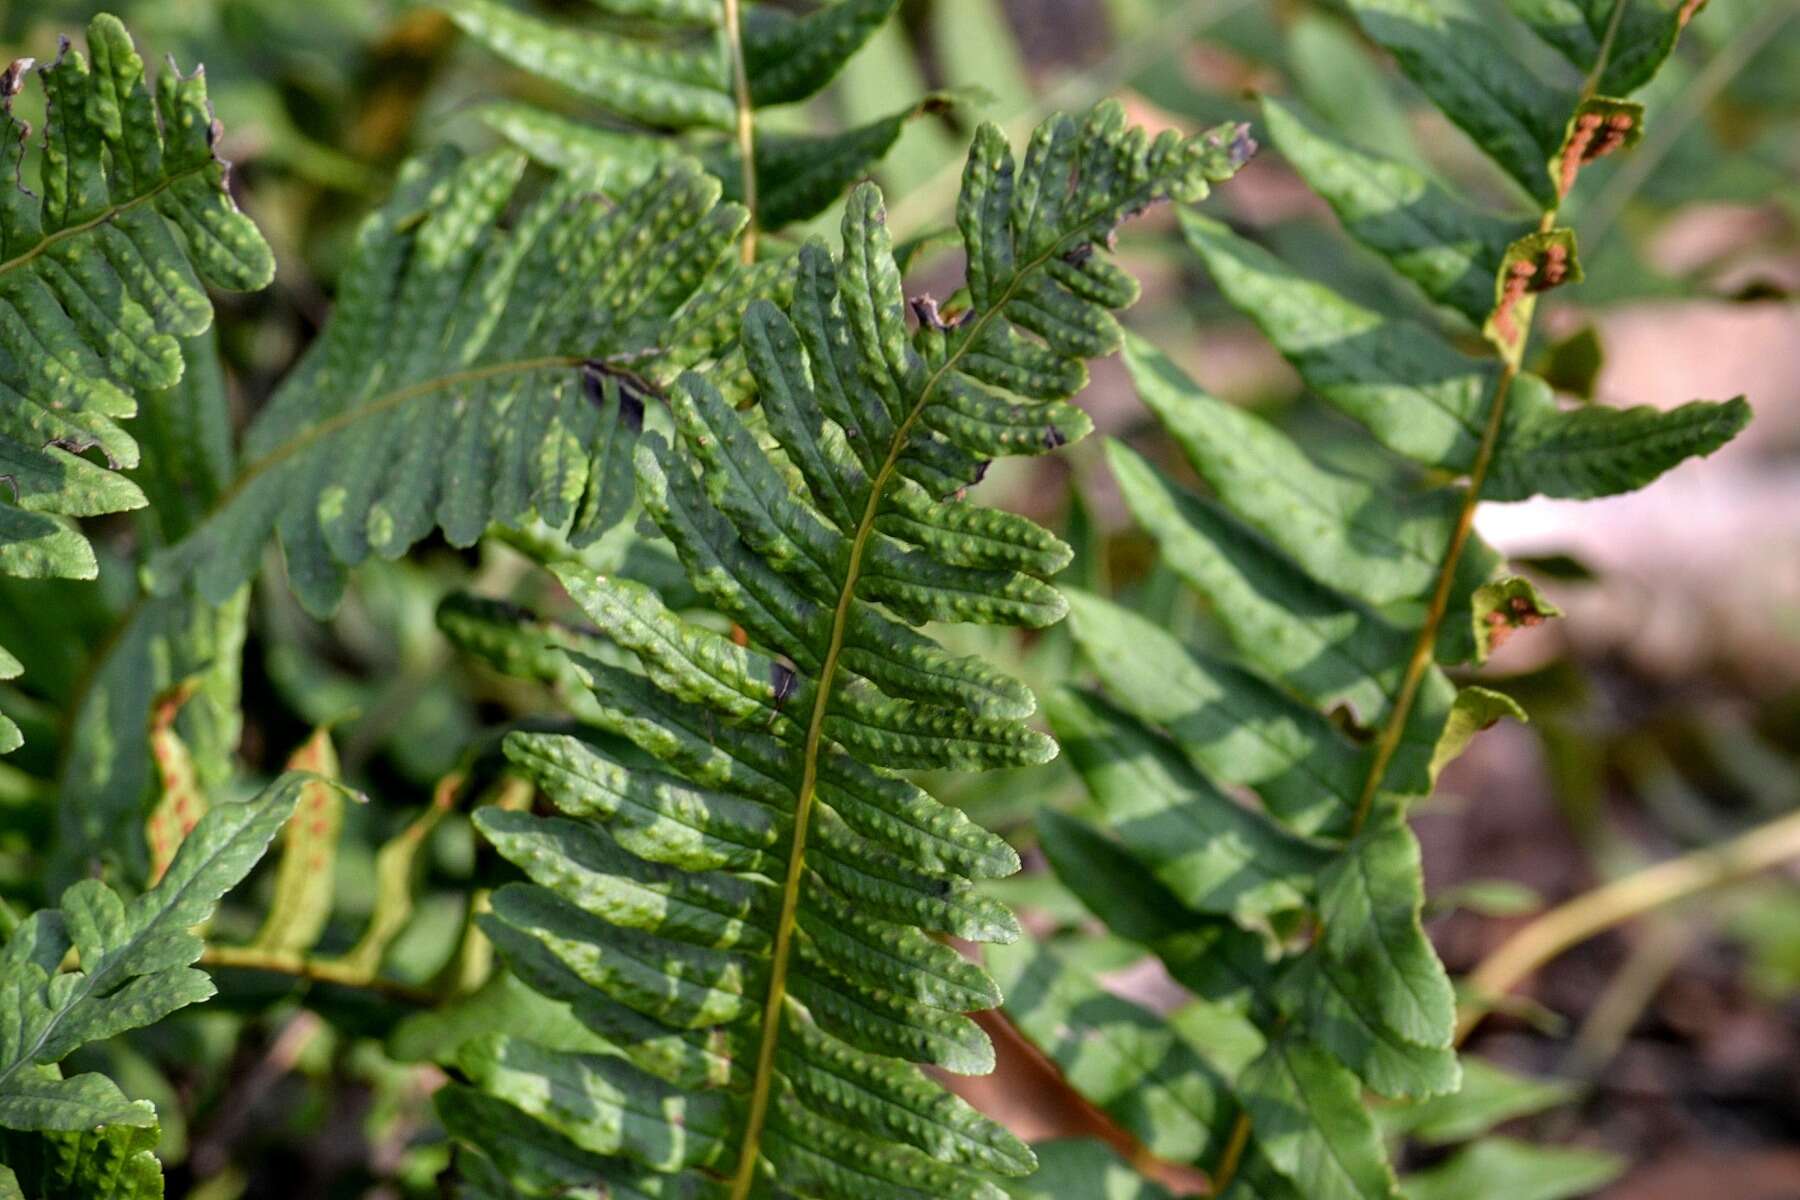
99 279
477 371
1346 602
132 968
668 67
738 903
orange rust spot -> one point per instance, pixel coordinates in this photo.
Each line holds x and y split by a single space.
1552 269
1689 11
1594 137
739 635
1518 280
1519 614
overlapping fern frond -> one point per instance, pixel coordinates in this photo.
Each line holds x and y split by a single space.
80 1136
477 370
661 68
1296 921
737 893
99 279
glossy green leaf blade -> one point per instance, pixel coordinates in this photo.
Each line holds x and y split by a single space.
1369 903
1648 30
788 57
1232 724
1327 647
1217 856
1308 1118
1118 1055
133 956
1511 114
1348 534
1416 393
1451 250
1504 1169
1590 451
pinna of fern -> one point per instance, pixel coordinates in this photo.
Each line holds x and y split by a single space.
736 894
97 966
99 279
481 367
686 77
1346 602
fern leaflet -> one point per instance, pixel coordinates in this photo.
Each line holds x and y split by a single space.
672 67
80 1136
476 372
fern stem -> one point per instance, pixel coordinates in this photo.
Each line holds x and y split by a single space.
314 970
1594 912
1233 1154
746 122
1424 649
745 1176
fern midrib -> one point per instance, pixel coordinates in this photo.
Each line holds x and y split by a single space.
112 212
763 1080
746 125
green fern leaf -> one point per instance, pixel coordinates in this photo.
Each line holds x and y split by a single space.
670 68
1312 1124
1081 1167
133 968
474 374
1505 1169
1449 248
1344 601
113 1162
1648 30
800 175
1510 113
1426 400
1127 1060
737 903
99 279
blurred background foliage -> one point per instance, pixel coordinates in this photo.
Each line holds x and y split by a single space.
1666 707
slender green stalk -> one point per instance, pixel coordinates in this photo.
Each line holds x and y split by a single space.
317 970
746 122
1597 911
